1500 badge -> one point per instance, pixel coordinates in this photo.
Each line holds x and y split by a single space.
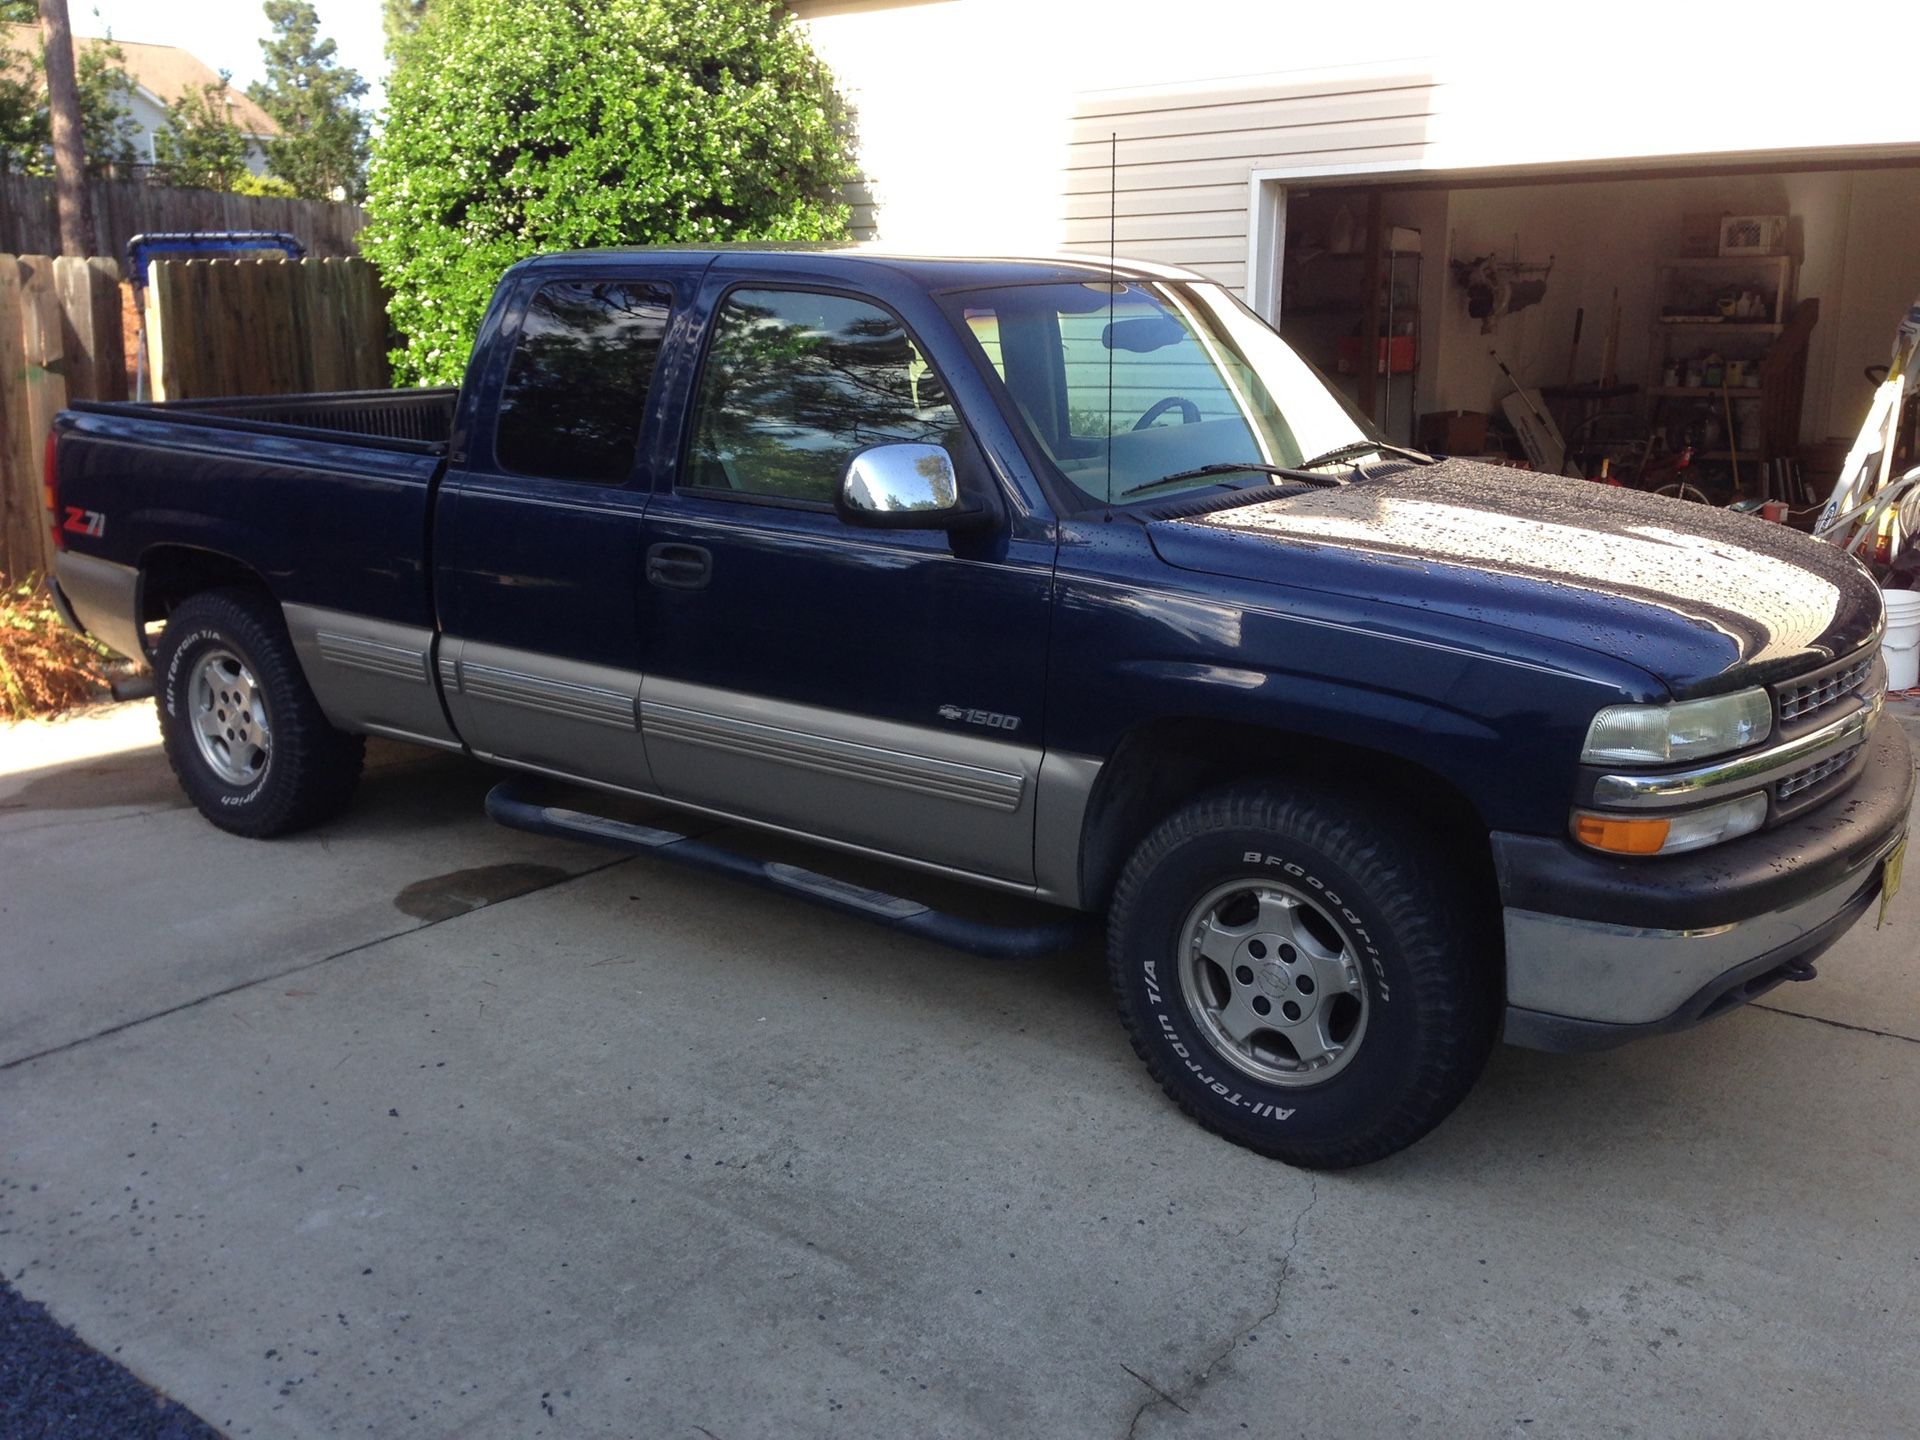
992 719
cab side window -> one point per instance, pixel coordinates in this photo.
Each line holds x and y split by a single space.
577 385
795 383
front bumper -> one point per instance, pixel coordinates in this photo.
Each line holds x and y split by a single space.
1603 950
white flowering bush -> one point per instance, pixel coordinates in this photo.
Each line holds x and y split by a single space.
520 126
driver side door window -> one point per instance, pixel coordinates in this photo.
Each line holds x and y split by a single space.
820 676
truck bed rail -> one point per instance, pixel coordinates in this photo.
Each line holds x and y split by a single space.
424 415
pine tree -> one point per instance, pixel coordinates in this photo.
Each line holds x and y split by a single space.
322 149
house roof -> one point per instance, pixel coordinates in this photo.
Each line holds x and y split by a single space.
165 72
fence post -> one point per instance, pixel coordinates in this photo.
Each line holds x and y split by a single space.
44 369
20 521
162 301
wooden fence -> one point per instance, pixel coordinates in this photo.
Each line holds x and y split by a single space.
30 225
60 339
215 328
264 327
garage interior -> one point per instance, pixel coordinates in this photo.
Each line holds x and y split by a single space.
1709 332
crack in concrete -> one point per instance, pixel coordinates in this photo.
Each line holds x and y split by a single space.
1205 1372
101 815
197 1001
1838 1024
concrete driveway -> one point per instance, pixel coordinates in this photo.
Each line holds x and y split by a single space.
318 1147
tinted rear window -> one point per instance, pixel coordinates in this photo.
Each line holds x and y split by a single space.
577 387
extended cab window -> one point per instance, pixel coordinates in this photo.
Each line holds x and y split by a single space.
577 386
795 383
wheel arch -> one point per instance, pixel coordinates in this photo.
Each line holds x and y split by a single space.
171 574
1162 764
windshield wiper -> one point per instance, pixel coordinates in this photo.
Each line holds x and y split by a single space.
1235 467
1369 447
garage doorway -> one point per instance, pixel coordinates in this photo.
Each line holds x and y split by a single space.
1611 300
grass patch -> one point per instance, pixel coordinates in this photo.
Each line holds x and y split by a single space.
44 667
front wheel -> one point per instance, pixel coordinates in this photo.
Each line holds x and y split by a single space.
1301 975
243 733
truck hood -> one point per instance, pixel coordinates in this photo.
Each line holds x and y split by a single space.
1701 598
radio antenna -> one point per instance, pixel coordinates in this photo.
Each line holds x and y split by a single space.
1113 288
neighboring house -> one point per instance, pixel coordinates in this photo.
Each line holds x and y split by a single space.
1257 143
162 74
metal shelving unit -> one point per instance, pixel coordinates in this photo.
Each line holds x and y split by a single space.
1331 287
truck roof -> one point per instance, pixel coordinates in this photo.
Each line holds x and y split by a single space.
848 262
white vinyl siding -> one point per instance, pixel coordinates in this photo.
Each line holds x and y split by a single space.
1186 155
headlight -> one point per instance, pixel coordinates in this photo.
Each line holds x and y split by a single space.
1691 730
1670 834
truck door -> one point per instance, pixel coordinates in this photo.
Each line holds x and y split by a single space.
537 543
882 688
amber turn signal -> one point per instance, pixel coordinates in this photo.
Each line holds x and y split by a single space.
1621 835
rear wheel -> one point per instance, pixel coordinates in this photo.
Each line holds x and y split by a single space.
1301 975
243 733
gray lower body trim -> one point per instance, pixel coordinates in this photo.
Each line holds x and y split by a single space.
1059 824
105 599
1623 975
946 797
563 716
920 775
370 676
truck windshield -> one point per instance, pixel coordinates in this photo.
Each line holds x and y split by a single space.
1198 381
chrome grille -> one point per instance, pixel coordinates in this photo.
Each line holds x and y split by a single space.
1802 698
1806 779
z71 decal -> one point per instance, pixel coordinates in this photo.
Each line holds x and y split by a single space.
85 522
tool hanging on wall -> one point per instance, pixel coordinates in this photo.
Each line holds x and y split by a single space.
1500 287
1573 350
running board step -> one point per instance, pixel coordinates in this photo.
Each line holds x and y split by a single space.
515 804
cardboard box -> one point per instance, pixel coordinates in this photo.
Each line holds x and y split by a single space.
1454 432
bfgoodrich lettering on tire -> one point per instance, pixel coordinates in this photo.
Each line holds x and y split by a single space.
243 733
1301 974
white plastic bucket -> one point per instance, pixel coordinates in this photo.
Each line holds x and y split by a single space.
1902 645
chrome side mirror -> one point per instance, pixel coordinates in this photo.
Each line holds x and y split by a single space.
902 487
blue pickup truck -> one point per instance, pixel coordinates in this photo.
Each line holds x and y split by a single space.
1066 580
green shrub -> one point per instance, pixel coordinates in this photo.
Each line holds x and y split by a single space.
518 126
270 187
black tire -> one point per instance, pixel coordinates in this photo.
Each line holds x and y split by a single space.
1425 954
310 768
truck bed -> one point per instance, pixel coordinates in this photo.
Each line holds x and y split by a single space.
415 420
324 499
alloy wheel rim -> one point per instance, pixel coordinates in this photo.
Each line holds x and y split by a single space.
1273 979
229 716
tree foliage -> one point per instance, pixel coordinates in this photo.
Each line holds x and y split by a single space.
23 135
26 134
515 126
400 18
106 120
313 98
200 145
